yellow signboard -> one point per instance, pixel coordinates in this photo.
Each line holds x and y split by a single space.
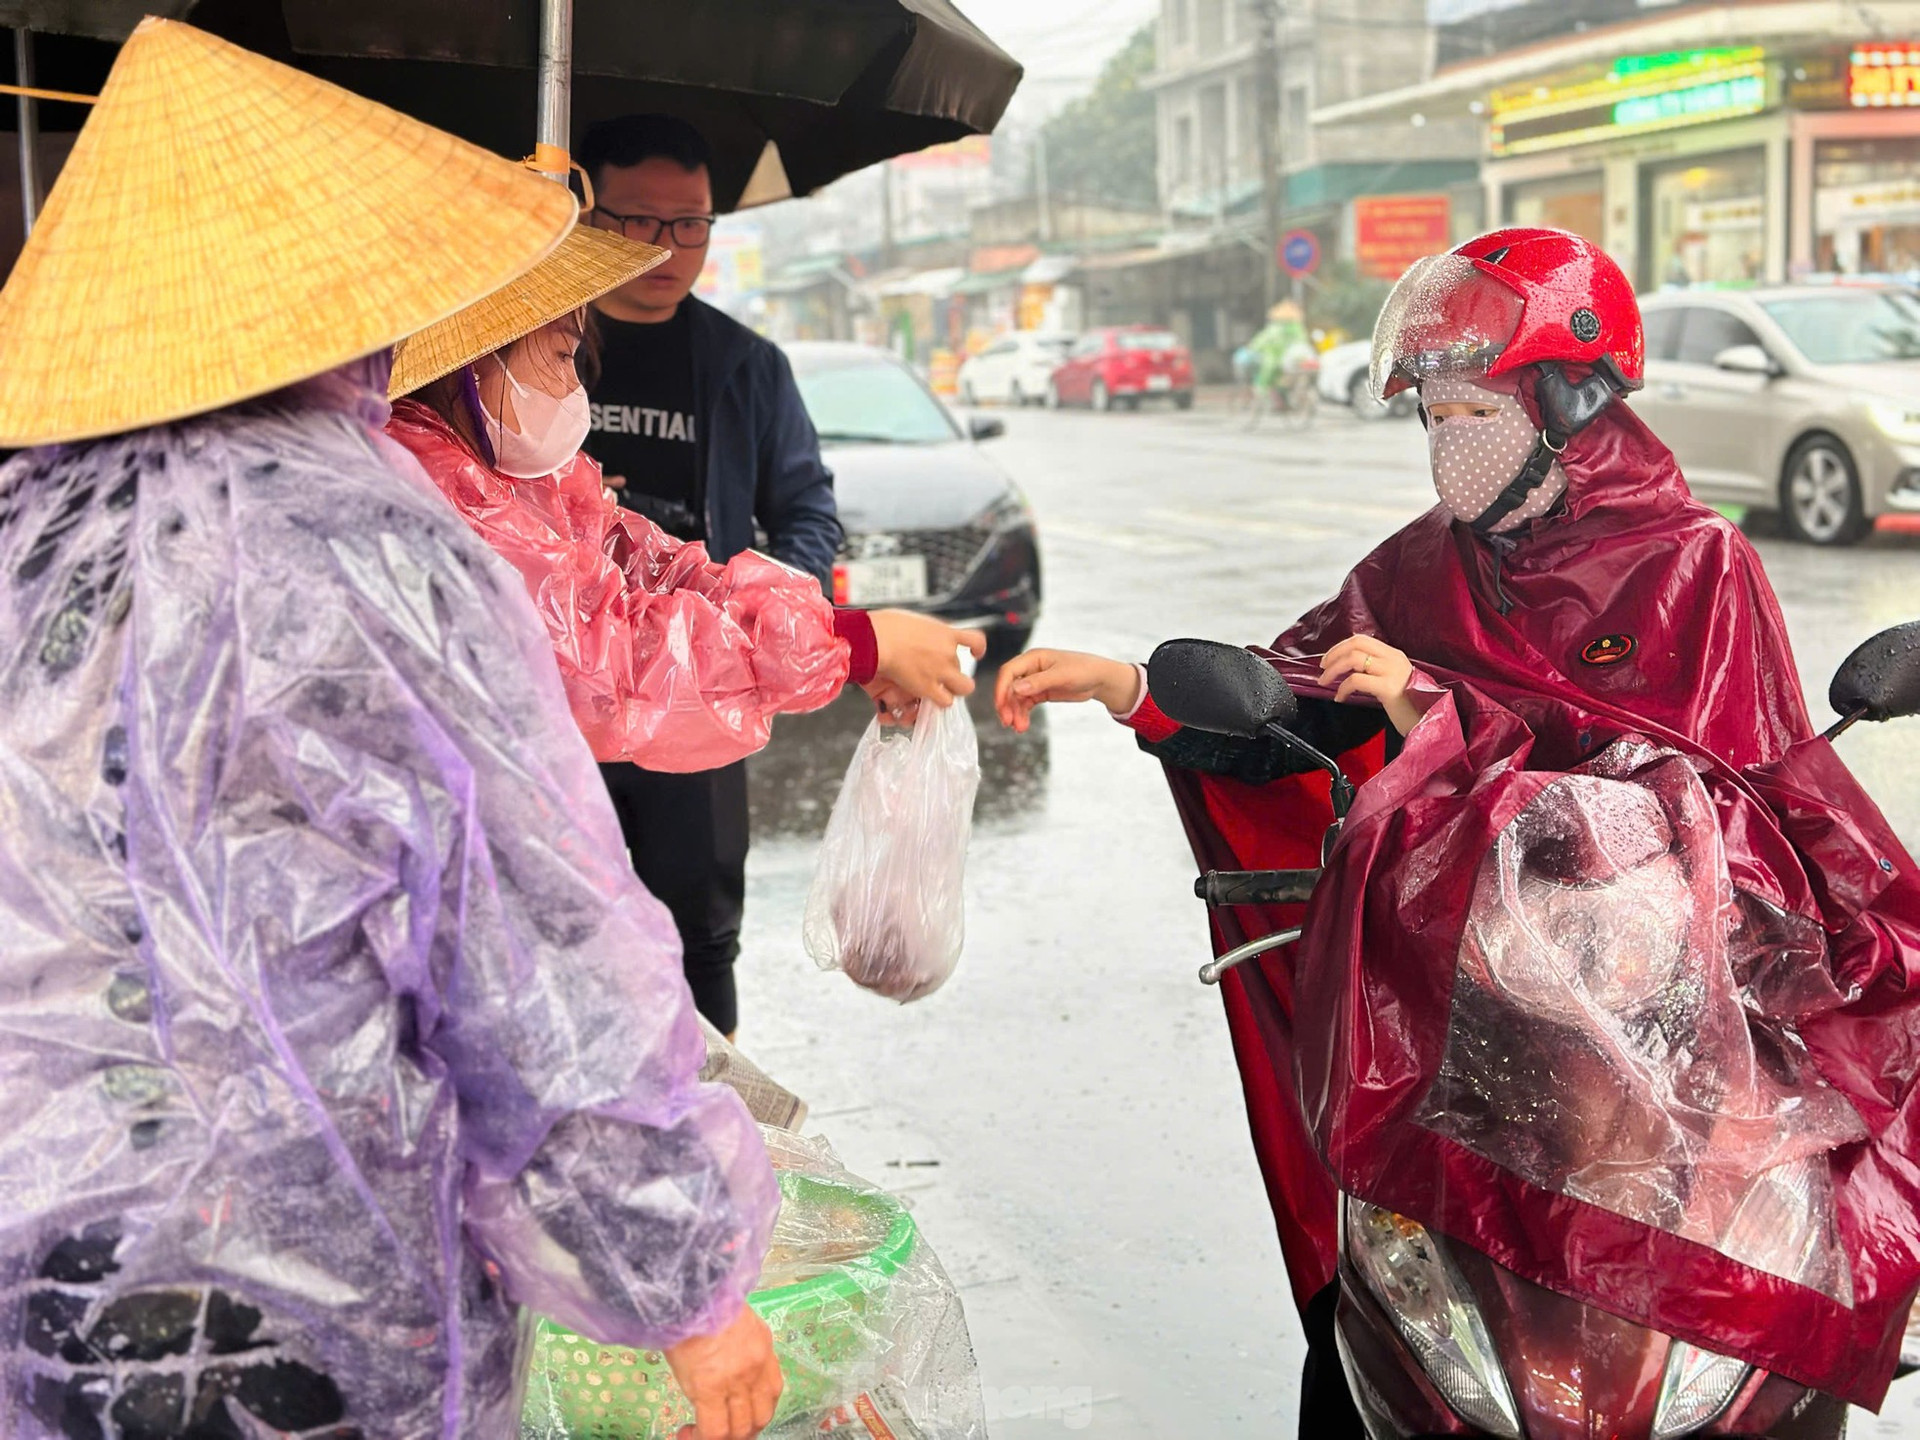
1637 94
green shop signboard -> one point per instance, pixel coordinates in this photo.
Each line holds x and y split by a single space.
1744 96
1635 95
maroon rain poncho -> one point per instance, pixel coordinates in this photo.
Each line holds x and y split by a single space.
1631 612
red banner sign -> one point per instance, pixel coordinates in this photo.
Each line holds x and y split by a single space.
1390 232
1885 75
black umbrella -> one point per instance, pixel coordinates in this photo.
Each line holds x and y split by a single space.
831 85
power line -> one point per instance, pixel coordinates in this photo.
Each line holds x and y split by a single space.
1099 7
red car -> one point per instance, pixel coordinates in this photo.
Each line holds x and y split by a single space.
1123 365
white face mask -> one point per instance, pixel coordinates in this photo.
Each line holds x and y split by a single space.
1476 457
548 430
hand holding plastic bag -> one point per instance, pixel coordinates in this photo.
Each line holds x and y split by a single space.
887 904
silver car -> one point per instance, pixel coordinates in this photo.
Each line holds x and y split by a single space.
1802 399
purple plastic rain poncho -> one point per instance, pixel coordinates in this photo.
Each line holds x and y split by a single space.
333 1023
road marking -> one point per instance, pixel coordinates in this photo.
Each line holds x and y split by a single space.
1225 522
1400 514
1139 542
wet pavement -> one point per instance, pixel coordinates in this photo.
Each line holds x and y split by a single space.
1065 1114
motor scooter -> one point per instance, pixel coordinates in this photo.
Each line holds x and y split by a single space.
1434 1336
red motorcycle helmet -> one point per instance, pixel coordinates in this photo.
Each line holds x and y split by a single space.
1510 299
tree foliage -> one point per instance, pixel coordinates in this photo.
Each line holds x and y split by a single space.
1102 146
1341 298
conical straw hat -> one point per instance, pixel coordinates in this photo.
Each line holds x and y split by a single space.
226 226
587 265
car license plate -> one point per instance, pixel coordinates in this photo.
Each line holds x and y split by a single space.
1160 382
892 581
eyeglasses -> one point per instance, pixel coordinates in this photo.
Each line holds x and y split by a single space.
689 231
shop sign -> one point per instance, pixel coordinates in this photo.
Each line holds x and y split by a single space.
1693 105
943 372
1883 75
1034 300
1817 82
1705 217
1636 95
1391 232
1681 63
735 263
1891 202
970 152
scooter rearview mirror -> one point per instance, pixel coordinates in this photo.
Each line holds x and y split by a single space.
1205 685
1878 681
1219 688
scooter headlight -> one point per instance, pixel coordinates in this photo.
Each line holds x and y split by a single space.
1435 1313
1696 1390
1784 1226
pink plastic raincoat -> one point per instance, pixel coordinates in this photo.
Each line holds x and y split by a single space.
669 660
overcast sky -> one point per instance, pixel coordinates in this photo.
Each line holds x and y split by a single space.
1440 11
1063 43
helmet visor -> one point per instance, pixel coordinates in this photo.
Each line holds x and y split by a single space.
1446 318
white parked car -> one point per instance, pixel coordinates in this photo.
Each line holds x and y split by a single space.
1014 369
1344 381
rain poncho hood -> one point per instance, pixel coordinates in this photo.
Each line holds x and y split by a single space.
1626 634
334 1026
669 660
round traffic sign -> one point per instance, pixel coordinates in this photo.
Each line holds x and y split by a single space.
1300 252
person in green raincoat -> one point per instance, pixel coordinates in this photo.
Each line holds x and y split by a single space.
1280 351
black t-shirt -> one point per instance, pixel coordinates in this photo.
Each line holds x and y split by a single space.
644 424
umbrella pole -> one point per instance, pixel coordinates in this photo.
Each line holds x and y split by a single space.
29 124
556 75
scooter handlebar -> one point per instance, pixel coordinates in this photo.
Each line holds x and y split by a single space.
1223 888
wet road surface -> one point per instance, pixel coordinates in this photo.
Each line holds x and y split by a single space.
1065 1114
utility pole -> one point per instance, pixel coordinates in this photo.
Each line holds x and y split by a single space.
1267 77
1042 197
886 214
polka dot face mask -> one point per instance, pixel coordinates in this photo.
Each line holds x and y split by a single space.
1476 456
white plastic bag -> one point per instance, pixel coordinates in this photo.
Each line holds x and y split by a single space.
886 904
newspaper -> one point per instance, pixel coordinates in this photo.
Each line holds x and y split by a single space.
874 1416
768 1101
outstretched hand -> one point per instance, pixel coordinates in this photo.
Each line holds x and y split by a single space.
1363 665
1062 677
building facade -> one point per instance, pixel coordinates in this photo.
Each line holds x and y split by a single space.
1477 29
1367 198
1207 104
1207 91
1708 145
